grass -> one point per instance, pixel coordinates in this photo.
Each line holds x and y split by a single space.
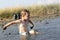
37 11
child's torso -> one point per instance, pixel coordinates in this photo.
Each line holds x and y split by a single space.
23 26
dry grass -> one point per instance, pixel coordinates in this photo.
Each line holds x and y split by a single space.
41 11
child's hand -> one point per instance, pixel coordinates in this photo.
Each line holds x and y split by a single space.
4 28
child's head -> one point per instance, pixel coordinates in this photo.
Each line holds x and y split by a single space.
25 14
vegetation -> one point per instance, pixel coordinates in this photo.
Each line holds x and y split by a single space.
40 11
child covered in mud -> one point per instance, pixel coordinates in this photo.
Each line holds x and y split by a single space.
23 23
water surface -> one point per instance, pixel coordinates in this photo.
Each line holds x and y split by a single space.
49 30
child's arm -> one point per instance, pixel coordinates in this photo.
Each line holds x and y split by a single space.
31 23
10 23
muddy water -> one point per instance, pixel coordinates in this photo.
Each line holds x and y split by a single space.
49 30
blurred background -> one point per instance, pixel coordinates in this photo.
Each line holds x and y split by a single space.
45 14
37 8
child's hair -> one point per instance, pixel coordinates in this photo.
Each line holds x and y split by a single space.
24 11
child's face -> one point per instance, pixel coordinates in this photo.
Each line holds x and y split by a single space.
26 16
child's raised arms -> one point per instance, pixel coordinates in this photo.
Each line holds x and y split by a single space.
11 23
32 24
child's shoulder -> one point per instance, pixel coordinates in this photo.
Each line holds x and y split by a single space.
19 20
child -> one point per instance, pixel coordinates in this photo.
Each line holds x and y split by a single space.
16 16
23 22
